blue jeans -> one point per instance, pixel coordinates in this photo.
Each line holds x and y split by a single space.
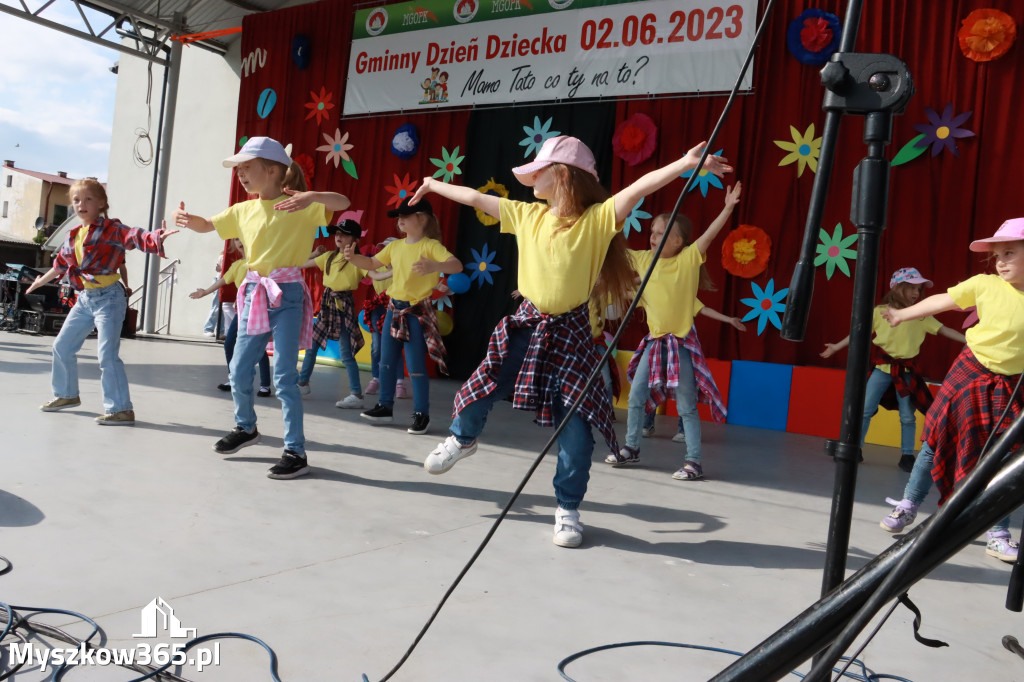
575 445
211 319
878 383
649 420
230 338
285 325
104 309
345 348
686 403
377 314
391 366
921 482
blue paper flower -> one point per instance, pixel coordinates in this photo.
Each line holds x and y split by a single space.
632 221
536 136
443 302
406 141
482 266
765 306
705 179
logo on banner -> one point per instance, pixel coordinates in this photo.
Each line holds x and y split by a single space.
465 10
158 615
376 21
559 4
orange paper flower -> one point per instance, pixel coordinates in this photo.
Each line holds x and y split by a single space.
746 250
986 34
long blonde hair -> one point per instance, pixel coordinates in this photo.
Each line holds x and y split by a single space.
292 176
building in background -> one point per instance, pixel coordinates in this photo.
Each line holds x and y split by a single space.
31 203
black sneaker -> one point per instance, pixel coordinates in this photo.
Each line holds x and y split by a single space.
380 414
264 392
420 422
291 465
906 463
224 387
236 440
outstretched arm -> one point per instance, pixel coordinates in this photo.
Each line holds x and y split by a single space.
627 198
42 279
937 303
297 201
379 276
732 197
951 334
183 218
425 266
468 196
715 315
833 348
200 292
359 260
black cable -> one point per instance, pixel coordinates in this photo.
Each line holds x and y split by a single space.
604 358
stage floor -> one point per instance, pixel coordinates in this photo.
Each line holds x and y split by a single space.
337 571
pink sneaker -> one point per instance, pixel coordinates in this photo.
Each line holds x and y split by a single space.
373 387
400 391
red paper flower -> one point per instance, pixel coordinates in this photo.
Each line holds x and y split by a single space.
320 106
635 139
816 34
305 162
746 250
986 34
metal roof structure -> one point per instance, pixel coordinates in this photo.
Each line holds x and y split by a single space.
147 24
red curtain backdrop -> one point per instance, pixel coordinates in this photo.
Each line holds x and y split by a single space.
937 204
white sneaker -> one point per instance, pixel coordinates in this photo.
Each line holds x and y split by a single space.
679 438
350 402
647 432
304 389
446 454
568 529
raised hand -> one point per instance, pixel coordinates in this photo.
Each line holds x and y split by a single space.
732 194
198 293
296 201
425 188
717 165
181 216
163 232
349 251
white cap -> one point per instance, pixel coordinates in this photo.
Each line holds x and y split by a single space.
260 148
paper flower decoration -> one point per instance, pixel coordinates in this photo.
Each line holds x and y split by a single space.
482 266
632 221
635 139
301 51
537 135
337 151
765 305
834 250
320 105
813 36
942 131
443 301
986 34
305 162
495 189
405 142
448 165
804 150
910 151
705 179
401 189
746 250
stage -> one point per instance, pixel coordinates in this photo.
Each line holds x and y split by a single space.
337 571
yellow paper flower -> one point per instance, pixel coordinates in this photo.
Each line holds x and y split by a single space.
803 150
495 189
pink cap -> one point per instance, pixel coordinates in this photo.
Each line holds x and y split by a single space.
561 149
1010 231
910 276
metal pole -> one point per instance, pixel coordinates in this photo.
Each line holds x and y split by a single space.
163 171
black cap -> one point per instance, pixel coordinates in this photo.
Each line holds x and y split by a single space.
346 227
421 206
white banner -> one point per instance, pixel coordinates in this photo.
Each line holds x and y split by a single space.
457 53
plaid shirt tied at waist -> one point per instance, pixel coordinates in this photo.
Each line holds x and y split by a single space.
423 312
906 380
959 422
337 316
266 294
560 358
663 361
372 302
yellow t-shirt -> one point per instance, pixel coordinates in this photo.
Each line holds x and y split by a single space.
400 255
904 341
342 277
670 299
101 280
998 337
236 272
558 268
272 239
380 286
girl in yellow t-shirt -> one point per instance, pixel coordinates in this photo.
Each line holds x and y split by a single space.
277 230
338 319
979 386
235 274
410 323
669 359
894 377
543 354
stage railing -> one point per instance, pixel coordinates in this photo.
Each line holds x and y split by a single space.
165 281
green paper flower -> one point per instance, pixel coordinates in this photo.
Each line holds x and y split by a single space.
834 250
448 165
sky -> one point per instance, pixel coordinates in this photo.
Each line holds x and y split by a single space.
56 96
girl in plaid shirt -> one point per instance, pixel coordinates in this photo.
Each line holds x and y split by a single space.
543 354
92 257
978 387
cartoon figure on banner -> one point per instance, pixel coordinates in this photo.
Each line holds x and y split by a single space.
435 88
